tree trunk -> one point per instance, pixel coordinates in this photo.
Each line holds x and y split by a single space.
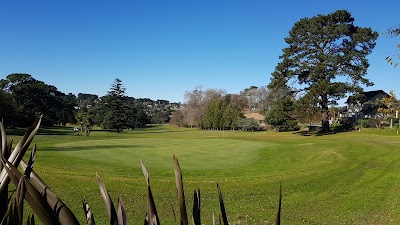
324 111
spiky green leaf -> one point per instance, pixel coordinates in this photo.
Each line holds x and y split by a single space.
88 213
64 214
222 206
19 151
196 207
112 214
121 215
278 214
31 161
151 215
32 196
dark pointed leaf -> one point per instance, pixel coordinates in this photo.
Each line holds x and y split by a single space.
152 216
146 220
121 215
181 195
64 214
88 213
32 196
31 161
112 215
222 205
173 212
30 220
3 141
278 215
19 199
19 151
196 207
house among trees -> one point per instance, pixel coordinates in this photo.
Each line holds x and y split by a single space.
259 118
364 105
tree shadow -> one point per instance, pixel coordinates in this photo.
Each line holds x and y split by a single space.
93 147
18 131
320 133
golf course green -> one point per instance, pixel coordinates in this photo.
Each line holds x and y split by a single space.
344 178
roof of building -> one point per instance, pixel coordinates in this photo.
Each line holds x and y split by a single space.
256 116
364 96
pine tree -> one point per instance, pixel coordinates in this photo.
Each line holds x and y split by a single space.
326 55
115 103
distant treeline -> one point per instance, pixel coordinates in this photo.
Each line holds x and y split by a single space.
22 98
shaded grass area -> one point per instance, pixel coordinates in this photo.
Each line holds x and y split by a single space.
346 178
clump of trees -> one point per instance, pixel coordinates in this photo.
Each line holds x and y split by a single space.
217 110
116 111
23 98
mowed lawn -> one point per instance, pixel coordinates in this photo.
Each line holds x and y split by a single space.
345 178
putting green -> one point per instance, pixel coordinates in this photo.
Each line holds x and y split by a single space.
193 154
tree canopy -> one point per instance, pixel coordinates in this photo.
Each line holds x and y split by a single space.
29 98
394 32
326 57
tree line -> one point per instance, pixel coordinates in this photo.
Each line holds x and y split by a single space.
23 98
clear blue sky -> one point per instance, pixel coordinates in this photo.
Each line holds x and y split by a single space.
159 49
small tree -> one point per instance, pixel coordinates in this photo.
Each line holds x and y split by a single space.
389 107
84 120
281 115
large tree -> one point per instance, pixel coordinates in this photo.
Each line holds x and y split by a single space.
326 56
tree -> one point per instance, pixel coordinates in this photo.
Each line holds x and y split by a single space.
177 118
326 55
306 109
281 115
115 117
194 107
257 98
87 100
6 107
116 111
84 120
233 110
394 32
389 106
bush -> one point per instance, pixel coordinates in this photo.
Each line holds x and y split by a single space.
345 124
288 125
247 124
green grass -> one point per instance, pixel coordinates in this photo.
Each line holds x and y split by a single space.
346 178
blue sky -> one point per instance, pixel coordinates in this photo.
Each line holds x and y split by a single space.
160 49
